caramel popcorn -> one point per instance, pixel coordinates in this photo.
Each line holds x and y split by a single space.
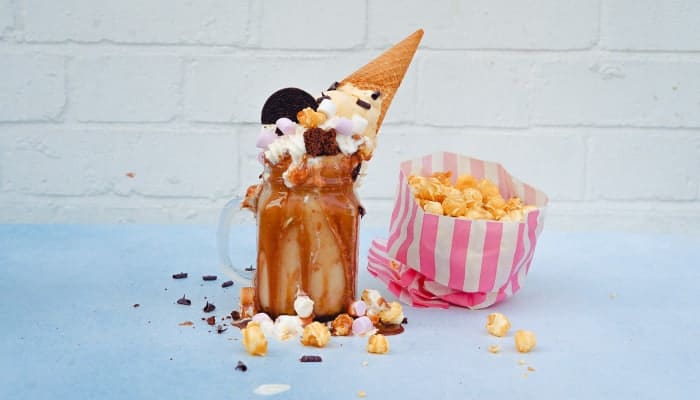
525 341
497 324
466 199
254 340
310 118
392 315
316 334
378 344
342 325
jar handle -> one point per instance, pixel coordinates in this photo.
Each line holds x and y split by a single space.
237 274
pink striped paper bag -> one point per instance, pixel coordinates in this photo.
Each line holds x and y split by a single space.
431 260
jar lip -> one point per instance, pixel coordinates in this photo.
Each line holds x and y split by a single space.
318 171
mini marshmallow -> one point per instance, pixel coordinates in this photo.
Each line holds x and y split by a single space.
362 326
304 306
327 107
286 125
359 124
343 126
287 326
267 136
357 308
260 317
261 157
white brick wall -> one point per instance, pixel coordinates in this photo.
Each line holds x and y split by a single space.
147 111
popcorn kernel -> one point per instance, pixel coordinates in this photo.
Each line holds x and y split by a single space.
497 324
342 325
378 344
525 341
316 334
254 339
392 315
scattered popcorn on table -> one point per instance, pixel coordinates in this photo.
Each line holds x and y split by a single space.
531 369
494 348
525 341
361 393
287 327
467 199
254 340
393 314
316 334
521 362
378 344
342 325
497 324
374 301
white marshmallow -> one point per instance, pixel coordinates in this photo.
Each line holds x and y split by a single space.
327 107
359 124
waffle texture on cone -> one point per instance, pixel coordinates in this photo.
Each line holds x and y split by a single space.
386 72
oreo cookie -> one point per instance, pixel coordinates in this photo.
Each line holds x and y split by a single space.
286 102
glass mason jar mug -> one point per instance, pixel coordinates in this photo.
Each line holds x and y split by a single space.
307 237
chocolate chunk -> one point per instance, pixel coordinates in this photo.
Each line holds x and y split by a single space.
241 324
235 315
209 307
241 366
287 103
211 320
404 321
220 329
227 284
137 305
209 277
319 142
376 94
306 359
333 86
250 268
184 301
181 275
362 211
363 104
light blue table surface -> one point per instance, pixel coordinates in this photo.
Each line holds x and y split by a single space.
616 316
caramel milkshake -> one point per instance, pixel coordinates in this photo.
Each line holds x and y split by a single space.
314 151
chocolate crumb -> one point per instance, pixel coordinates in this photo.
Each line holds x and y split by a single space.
209 277
241 324
306 359
220 329
227 284
186 323
363 104
181 275
250 268
278 132
241 366
211 320
136 305
236 315
376 94
333 86
404 321
184 301
209 307
362 211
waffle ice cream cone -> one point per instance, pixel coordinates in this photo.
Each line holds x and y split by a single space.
386 72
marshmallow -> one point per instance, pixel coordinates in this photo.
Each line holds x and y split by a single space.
286 125
357 308
304 306
267 136
327 107
260 317
359 124
287 326
343 126
362 326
